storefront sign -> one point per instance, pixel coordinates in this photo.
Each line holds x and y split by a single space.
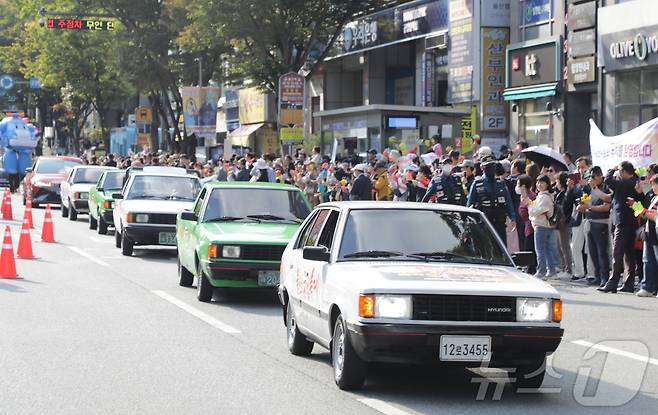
143 120
639 146
252 106
291 99
495 13
406 21
640 46
581 16
200 110
291 135
582 70
582 43
494 108
428 78
533 65
468 130
535 11
460 52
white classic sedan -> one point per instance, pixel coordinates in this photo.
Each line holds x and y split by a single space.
145 210
414 283
74 191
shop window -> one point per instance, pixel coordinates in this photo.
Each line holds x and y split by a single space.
537 129
628 117
649 91
536 19
628 88
636 99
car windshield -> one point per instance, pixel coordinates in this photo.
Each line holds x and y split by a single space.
54 166
422 235
256 204
87 175
113 180
164 188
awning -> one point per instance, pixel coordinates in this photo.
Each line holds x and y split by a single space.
240 136
528 92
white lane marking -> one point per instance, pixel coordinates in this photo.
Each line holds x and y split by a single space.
89 257
612 350
197 313
94 239
381 406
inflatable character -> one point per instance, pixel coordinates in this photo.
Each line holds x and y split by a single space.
17 140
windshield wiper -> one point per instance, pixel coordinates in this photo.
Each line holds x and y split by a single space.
266 217
373 254
224 219
178 198
449 255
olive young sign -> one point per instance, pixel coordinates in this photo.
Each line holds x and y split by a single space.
81 24
629 49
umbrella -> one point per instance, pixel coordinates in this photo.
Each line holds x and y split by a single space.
545 156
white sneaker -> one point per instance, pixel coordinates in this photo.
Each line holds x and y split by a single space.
539 275
645 293
564 275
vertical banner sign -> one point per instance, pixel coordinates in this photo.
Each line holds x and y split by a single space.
468 129
494 107
428 78
460 52
291 99
143 120
200 110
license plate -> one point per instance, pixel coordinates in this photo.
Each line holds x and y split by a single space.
167 238
465 348
268 278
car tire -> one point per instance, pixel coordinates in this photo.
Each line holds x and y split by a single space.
117 238
298 344
204 289
65 211
126 245
102 225
35 205
349 370
24 200
73 214
93 223
185 277
529 376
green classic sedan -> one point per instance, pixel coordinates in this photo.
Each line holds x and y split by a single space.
101 202
236 233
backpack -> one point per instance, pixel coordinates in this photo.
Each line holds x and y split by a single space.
557 219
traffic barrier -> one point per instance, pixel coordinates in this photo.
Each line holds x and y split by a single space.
28 212
7 212
47 229
7 262
25 242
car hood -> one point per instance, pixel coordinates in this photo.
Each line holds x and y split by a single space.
155 206
249 232
441 278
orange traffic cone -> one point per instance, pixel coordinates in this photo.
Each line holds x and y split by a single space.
25 243
7 213
7 263
47 230
4 199
28 212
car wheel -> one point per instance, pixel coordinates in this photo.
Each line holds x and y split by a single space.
65 211
93 223
73 214
349 370
185 277
529 376
117 238
204 290
24 200
126 245
297 342
102 225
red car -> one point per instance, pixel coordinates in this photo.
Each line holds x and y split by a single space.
44 177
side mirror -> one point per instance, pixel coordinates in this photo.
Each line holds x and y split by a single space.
28 170
100 189
188 215
523 259
316 253
117 196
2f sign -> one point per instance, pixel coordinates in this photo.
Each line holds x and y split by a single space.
495 123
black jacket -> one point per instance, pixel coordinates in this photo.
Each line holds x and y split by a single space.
621 213
361 188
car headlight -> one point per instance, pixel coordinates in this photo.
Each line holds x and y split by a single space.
141 218
385 306
534 309
230 251
81 195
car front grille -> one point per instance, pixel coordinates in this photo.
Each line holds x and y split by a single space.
262 252
162 218
463 308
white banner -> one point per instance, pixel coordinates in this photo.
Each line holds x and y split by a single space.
639 146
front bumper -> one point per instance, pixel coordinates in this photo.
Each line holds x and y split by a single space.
147 234
81 205
107 216
46 195
419 344
238 274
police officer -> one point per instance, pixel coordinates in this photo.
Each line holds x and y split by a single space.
443 186
490 195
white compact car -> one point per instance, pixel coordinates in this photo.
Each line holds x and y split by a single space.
414 283
145 210
74 191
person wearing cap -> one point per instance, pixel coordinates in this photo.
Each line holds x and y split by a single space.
362 186
468 174
380 182
490 195
443 186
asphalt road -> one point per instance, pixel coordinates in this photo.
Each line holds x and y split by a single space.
87 331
